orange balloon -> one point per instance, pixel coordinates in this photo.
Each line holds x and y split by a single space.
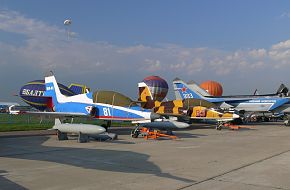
212 87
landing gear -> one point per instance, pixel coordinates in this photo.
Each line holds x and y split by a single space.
219 126
106 126
82 138
61 136
287 121
135 132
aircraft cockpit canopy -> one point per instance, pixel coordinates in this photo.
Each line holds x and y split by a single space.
113 98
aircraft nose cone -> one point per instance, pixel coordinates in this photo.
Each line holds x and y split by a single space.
101 129
154 116
235 116
182 125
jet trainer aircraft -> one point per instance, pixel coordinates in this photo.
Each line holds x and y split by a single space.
243 104
84 104
185 110
105 105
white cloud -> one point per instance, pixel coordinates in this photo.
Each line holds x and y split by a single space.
134 49
177 66
258 53
285 15
195 66
46 48
280 55
151 65
12 21
281 45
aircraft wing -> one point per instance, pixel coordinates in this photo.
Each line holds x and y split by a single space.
213 118
56 114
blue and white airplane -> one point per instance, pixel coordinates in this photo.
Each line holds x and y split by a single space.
242 104
86 105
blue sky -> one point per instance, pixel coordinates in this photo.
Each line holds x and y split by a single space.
115 44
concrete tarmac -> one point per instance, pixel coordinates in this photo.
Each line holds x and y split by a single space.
202 158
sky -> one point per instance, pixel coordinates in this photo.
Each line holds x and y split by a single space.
113 45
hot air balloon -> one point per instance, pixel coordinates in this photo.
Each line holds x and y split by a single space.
212 87
158 87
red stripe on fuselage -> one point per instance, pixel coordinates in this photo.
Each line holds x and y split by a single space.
116 118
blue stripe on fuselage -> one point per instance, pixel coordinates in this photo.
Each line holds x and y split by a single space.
72 107
101 111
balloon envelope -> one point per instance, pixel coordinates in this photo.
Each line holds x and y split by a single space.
158 87
212 87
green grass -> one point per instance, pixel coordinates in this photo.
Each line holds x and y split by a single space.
23 127
23 123
29 122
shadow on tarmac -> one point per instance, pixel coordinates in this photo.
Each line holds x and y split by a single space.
7 184
188 135
97 159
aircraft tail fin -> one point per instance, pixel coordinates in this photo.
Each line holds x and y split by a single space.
145 96
52 90
191 90
282 90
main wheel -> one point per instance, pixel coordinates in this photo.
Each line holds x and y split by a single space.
219 127
135 133
61 136
83 138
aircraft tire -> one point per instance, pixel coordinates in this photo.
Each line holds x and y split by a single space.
61 136
135 133
83 138
218 127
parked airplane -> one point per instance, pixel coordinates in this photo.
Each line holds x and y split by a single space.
243 104
185 110
88 105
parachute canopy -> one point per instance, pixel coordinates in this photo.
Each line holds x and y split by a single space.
67 22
